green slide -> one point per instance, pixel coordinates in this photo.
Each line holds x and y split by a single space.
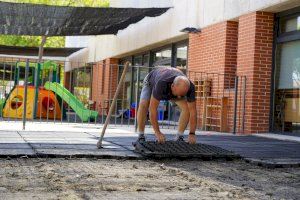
74 103
2 103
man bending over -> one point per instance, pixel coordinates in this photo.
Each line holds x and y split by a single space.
166 83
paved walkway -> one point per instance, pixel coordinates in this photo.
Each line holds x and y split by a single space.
79 140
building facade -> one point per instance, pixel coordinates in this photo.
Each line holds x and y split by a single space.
255 43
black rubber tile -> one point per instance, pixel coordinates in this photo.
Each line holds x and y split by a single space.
172 149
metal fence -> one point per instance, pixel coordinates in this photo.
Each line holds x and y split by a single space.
68 92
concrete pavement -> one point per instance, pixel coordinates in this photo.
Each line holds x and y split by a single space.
79 140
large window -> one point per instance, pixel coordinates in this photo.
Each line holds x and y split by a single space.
288 69
287 75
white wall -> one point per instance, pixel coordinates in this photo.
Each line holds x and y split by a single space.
155 32
213 11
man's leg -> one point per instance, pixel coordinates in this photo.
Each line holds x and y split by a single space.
183 118
142 115
143 110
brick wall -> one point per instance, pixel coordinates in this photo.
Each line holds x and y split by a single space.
214 49
255 62
213 53
242 48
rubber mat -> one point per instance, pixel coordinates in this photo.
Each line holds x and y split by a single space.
172 149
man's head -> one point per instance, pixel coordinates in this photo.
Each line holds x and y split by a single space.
180 86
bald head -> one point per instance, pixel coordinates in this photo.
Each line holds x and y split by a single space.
180 86
182 81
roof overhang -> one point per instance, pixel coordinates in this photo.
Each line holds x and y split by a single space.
33 51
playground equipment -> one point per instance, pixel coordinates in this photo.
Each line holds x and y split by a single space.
70 99
42 102
47 107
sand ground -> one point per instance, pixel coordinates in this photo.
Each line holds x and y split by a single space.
141 179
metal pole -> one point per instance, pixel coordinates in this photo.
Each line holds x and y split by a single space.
41 48
36 84
25 94
137 98
37 75
244 103
99 144
235 103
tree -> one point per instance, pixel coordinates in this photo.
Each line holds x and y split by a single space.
15 40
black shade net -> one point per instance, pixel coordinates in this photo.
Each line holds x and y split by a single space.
38 20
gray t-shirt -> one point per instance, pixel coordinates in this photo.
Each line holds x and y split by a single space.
160 81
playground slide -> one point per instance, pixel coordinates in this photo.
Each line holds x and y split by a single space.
2 102
74 103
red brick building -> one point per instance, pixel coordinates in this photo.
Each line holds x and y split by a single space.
245 61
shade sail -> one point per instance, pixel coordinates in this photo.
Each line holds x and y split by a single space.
36 19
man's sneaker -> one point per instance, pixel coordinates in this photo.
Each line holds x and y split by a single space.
179 138
141 138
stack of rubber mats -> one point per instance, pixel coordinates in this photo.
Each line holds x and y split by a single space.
173 149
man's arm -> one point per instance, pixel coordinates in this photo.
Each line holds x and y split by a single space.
153 113
153 119
193 122
193 116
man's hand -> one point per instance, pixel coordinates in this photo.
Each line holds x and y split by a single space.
192 139
160 137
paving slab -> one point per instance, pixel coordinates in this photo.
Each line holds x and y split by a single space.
17 152
102 153
74 146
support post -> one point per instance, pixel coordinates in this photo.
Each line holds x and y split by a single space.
244 102
25 93
137 98
112 105
41 48
37 76
235 103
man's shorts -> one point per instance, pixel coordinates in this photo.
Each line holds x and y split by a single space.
146 90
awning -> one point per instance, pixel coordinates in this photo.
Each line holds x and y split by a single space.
33 51
35 19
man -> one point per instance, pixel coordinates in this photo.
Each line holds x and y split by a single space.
166 83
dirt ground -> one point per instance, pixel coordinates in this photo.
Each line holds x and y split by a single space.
129 179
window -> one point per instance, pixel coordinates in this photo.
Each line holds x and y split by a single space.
291 24
181 56
141 62
163 57
146 60
288 69
82 87
126 90
286 110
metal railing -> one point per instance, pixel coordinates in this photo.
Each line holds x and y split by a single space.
68 92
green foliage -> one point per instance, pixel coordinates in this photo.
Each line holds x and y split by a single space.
32 41
14 40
